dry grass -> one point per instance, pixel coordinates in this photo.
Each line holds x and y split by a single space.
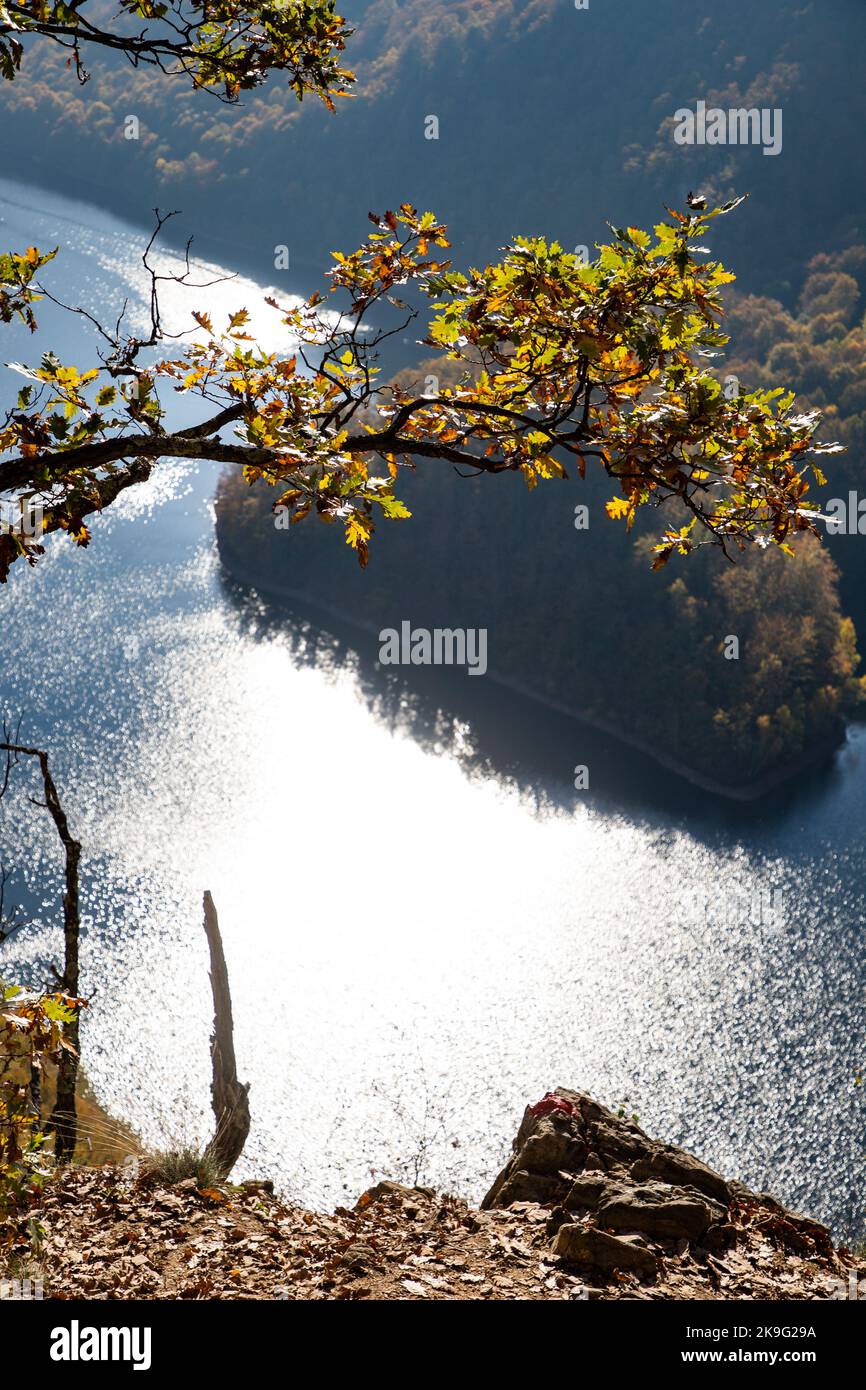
168 1167
101 1139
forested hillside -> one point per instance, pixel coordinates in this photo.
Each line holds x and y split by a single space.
576 615
481 553
541 86
583 99
819 345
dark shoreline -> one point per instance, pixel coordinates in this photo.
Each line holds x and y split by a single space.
744 794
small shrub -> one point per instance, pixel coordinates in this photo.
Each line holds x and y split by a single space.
171 1166
31 1032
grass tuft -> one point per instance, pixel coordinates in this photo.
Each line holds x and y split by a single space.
172 1166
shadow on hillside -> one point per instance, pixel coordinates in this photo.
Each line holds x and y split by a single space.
494 731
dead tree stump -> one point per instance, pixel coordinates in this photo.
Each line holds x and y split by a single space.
228 1095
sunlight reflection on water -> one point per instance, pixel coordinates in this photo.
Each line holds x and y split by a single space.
417 947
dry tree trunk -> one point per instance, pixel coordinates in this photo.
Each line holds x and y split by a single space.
63 1119
229 1096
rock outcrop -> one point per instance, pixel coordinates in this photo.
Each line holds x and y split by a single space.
621 1201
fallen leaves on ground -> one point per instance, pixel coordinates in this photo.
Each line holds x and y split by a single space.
106 1237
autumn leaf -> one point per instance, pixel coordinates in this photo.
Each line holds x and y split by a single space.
617 507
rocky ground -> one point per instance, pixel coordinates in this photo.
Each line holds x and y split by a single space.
587 1207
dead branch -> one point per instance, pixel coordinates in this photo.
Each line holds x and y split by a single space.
229 1096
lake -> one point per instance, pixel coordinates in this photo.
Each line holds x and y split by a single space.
426 926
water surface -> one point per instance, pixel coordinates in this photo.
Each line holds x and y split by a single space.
426 927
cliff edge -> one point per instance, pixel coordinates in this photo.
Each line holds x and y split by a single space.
587 1207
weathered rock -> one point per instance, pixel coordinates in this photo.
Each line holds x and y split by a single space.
672 1213
521 1186
250 1245
589 1190
586 1245
552 1148
558 1217
387 1188
787 1228
568 1134
574 1156
671 1165
359 1257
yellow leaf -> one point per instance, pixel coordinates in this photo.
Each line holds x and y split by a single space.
357 530
616 507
